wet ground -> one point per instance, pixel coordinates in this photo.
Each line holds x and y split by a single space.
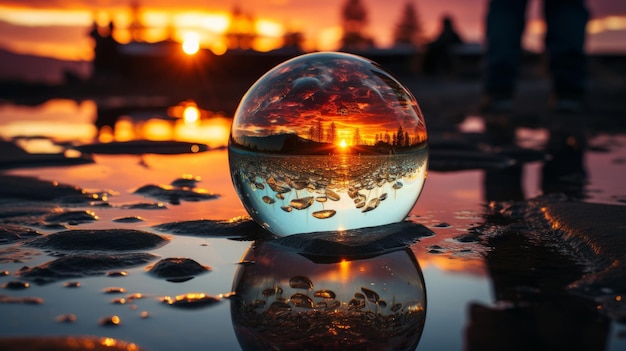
510 246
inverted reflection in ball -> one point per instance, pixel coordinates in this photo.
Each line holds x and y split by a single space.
325 142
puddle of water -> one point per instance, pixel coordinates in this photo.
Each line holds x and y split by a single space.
451 204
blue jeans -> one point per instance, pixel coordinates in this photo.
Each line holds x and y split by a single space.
564 41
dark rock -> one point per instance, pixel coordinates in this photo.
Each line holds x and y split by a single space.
145 206
175 195
186 182
468 238
82 265
139 147
33 189
355 243
72 217
15 285
102 240
233 229
177 269
131 219
13 156
11 233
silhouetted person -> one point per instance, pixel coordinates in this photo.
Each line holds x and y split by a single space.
564 42
438 56
106 55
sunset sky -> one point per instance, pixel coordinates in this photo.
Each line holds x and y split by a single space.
58 28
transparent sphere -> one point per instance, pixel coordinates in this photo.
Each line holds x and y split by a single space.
327 141
286 300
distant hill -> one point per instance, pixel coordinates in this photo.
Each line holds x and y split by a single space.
37 69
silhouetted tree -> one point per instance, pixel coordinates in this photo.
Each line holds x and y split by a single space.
409 29
293 40
312 133
332 133
136 27
399 137
354 22
319 136
356 140
240 33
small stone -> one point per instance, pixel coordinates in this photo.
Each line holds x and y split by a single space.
114 290
66 318
16 285
110 321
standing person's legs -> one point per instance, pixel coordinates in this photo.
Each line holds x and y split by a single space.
505 25
565 40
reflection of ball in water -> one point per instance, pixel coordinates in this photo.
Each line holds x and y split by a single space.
288 301
328 141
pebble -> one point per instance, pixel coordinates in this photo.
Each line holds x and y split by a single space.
16 285
174 269
27 300
117 274
145 206
66 318
187 180
191 300
110 321
130 219
174 195
114 290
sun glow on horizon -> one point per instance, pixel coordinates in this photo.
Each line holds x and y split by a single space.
191 43
62 32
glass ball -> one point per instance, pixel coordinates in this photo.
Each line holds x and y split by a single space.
326 142
286 300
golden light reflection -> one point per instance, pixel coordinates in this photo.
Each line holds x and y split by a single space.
452 264
191 114
106 134
155 129
609 23
109 342
124 129
344 270
186 122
